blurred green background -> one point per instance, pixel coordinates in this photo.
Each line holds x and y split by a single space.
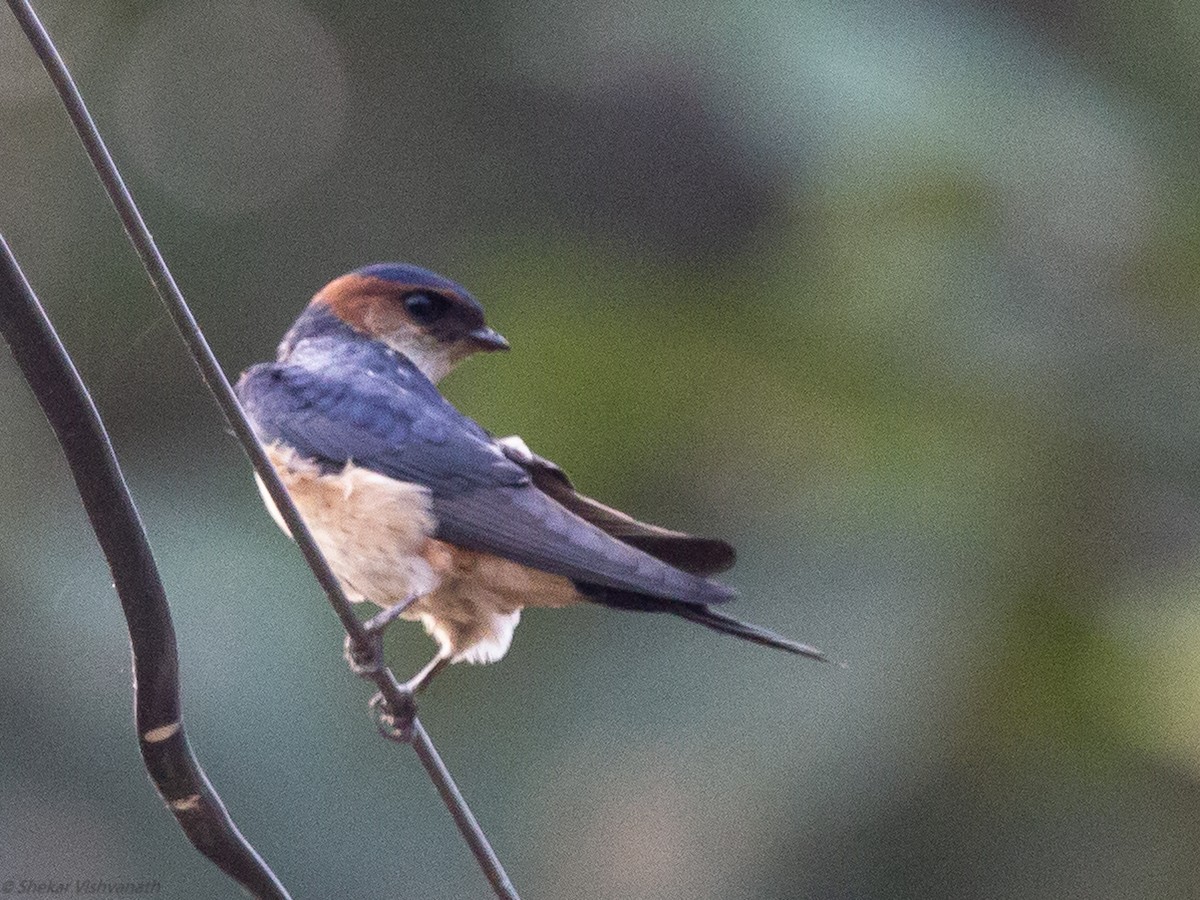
901 298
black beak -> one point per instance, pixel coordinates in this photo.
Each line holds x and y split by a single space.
488 339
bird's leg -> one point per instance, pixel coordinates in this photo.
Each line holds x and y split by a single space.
385 617
421 680
364 661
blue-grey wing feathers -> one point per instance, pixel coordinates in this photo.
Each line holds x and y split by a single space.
698 555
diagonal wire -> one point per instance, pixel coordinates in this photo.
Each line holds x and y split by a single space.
157 708
364 645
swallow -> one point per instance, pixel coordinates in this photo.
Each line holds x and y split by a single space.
424 513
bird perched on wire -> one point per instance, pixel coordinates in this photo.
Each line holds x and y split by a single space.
421 511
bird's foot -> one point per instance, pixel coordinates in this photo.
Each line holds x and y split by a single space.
395 725
366 660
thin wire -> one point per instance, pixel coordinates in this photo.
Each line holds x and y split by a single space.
365 645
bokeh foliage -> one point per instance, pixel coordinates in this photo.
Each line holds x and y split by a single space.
900 297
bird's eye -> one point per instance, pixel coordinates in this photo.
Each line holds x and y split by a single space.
425 308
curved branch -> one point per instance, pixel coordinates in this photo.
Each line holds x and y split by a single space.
366 647
173 768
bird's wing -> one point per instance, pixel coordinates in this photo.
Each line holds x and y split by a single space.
397 425
698 555
402 428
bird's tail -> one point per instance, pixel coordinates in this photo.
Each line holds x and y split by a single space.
698 612
710 618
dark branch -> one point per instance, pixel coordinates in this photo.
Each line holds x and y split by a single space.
169 760
366 647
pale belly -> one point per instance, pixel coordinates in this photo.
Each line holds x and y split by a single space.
375 533
371 528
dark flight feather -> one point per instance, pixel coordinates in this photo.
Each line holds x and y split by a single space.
704 615
700 556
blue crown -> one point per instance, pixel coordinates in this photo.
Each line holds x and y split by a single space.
402 273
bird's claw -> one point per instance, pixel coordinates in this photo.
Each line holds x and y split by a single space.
364 660
395 725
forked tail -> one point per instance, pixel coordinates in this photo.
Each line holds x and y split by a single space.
698 612
710 618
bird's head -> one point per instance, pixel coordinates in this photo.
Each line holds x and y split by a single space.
428 318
